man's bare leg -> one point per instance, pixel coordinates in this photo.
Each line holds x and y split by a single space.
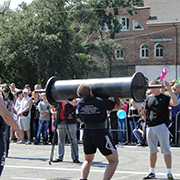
113 162
86 165
153 159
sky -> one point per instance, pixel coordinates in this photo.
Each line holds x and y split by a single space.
14 3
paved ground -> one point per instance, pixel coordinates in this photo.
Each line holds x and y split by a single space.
30 162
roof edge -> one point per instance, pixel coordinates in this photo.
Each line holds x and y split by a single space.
163 23
144 7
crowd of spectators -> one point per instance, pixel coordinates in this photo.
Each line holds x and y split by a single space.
132 128
33 114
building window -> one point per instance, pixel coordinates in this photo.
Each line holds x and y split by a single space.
118 54
144 51
125 23
137 26
158 50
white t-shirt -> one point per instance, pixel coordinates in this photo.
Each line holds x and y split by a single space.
24 104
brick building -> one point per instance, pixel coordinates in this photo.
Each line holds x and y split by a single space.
150 40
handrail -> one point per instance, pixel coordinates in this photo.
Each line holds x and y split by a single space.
176 131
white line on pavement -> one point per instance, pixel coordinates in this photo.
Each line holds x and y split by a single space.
27 178
67 169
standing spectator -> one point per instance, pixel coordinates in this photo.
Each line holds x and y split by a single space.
18 101
24 117
133 115
175 110
34 115
157 119
17 107
114 124
67 126
7 117
28 87
122 122
8 102
44 119
92 111
37 87
13 88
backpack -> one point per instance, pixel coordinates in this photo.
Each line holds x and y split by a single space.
70 114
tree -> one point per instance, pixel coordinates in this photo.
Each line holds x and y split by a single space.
39 41
94 16
106 47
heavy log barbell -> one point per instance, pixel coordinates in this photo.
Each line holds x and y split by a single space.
125 87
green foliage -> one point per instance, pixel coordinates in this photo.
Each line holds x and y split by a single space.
50 38
37 42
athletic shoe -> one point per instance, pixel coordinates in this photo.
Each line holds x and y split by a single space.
140 144
76 161
28 142
36 143
169 176
21 142
45 143
150 176
57 160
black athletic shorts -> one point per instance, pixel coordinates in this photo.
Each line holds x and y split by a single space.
103 143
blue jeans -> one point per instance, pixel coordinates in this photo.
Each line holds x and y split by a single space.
132 125
122 128
138 136
62 131
44 125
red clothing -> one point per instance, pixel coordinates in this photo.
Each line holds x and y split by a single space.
62 111
125 108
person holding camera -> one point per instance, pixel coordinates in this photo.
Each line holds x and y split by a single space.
24 117
8 98
5 117
67 126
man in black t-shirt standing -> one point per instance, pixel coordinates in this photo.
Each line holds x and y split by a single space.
157 112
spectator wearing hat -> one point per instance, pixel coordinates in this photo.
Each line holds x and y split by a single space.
24 116
27 86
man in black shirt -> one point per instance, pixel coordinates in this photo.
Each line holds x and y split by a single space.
157 112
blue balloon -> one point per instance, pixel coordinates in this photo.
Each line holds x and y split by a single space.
121 114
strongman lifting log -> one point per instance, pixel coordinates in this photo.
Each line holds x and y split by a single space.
125 87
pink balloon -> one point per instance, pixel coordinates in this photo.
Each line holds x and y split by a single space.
162 76
164 71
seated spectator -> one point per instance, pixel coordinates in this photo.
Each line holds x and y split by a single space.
140 131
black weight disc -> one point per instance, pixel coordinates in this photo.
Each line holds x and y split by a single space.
137 94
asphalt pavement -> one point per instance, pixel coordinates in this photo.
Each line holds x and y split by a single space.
31 162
